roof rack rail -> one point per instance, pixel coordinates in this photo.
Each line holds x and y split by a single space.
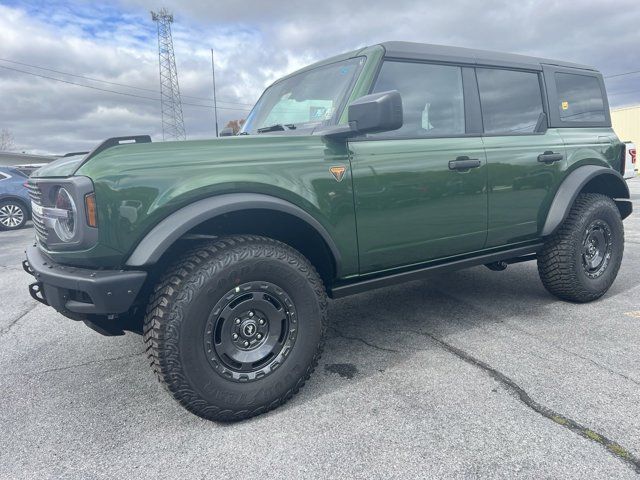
115 141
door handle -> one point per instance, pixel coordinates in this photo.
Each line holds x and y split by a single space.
464 163
550 157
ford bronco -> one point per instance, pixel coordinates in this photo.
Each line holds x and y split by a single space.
382 165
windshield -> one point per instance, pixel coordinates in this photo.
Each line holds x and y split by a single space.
305 100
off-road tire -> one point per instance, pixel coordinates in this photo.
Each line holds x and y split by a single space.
183 302
561 264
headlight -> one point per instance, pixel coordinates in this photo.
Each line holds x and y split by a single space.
65 223
65 213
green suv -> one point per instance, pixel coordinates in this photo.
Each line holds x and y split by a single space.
382 165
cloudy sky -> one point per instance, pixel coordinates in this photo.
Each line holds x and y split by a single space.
255 42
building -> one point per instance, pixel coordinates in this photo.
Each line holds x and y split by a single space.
626 123
10 158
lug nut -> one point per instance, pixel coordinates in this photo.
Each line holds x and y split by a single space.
251 314
234 336
261 321
246 344
237 320
259 336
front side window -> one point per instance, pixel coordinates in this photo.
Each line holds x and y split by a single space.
511 100
579 98
432 98
305 100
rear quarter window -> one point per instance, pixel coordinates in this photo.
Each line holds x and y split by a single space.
580 98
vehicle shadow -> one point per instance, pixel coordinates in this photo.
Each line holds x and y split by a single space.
372 332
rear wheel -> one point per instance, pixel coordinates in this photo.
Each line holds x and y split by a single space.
13 215
236 327
581 260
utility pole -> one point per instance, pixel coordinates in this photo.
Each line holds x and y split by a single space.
215 103
170 100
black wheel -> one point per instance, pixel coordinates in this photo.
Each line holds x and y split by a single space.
13 215
236 326
581 260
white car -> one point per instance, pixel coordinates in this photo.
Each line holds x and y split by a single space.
630 165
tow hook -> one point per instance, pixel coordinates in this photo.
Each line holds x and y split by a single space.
37 292
27 268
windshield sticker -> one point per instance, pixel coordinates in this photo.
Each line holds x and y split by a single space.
319 113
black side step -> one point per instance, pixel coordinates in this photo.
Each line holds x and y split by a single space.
359 286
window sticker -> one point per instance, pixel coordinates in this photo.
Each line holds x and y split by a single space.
565 105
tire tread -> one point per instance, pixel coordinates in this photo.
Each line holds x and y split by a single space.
557 264
176 289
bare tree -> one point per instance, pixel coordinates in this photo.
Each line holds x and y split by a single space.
6 140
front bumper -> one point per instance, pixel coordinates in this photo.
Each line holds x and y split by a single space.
80 290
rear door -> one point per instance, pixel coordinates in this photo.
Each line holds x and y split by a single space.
420 191
525 159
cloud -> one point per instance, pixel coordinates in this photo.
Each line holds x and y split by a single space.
254 43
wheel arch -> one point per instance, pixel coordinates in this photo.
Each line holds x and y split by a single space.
243 213
587 179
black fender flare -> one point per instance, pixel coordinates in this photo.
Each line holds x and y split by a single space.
174 226
573 185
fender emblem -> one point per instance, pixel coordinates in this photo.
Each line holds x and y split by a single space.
338 172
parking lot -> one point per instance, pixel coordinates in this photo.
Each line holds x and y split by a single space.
470 374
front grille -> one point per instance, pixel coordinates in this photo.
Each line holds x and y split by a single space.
34 191
38 222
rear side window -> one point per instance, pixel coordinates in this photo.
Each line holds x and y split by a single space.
511 100
579 98
432 98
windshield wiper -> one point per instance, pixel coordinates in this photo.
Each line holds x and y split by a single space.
277 127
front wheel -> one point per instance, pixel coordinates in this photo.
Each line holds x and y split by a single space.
236 326
581 260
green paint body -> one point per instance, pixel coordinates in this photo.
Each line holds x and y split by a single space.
397 205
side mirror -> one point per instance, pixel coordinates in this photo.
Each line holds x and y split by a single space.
226 132
377 112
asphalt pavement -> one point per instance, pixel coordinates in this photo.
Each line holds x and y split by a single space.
473 374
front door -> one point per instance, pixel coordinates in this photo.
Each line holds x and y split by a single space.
420 191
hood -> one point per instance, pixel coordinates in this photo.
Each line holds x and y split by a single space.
63 167
178 158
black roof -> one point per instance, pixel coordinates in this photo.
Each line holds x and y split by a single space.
444 53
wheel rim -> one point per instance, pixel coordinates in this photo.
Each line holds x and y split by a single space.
11 215
596 248
250 331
